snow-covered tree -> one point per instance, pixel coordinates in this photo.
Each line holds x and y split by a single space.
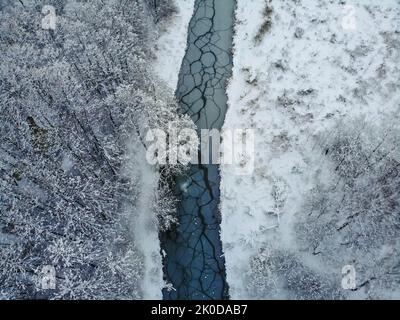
70 99
352 216
161 9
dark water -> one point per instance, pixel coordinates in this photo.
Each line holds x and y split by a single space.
194 263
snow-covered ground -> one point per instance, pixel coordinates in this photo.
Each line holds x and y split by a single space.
170 50
171 45
322 68
144 223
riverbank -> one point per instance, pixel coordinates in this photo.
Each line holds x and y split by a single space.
171 44
169 51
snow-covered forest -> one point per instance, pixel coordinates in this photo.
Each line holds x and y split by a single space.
73 101
84 215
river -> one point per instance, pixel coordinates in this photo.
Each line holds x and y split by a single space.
194 263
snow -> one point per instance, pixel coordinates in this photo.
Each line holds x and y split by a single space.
306 75
144 225
171 45
169 51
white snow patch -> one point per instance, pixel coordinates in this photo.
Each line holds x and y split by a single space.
171 45
144 224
